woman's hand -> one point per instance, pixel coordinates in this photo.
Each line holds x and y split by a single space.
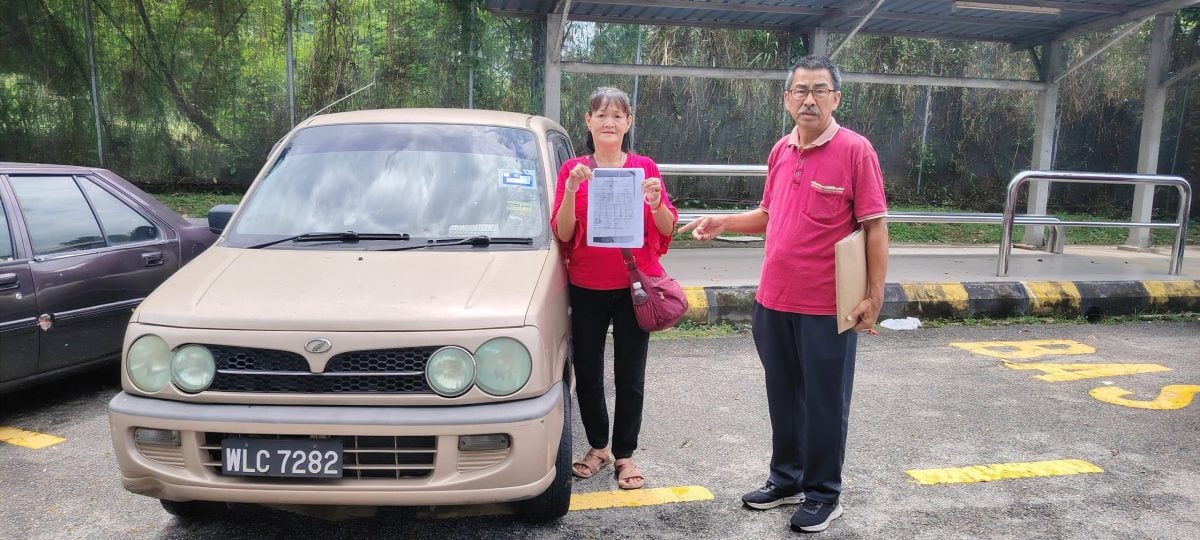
577 176
652 192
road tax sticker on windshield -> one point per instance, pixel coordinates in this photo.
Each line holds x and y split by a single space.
517 177
519 207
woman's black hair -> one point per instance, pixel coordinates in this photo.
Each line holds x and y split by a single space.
601 98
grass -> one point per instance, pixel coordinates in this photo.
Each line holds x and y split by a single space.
196 204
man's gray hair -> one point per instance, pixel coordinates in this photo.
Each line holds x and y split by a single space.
814 63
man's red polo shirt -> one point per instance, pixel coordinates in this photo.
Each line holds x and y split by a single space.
815 196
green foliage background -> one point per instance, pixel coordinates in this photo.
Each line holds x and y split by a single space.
193 93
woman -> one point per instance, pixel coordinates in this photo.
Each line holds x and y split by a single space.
599 289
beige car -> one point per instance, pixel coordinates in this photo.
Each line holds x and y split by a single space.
382 322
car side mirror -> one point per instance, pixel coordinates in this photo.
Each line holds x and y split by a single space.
218 217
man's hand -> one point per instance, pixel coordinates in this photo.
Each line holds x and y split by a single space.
578 174
705 228
865 313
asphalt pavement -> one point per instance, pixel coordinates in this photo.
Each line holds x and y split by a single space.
1033 431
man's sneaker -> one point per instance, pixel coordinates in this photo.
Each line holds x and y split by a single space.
770 496
813 516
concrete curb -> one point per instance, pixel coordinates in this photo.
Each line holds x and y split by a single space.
971 299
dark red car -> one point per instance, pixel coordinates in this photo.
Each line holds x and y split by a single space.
79 250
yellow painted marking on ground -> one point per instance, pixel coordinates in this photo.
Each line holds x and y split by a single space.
1024 350
639 497
28 439
953 293
1161 291
1044 294
697 304
1077 372
1175 396
1002 471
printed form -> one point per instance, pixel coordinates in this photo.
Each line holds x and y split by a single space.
615 212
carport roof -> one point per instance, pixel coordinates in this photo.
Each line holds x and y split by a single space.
1022 23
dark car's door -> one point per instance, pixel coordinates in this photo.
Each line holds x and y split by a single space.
18 304
95 259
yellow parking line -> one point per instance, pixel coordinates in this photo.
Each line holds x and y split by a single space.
28 439
639 497
1002 471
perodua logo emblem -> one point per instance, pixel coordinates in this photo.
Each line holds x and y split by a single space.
318 346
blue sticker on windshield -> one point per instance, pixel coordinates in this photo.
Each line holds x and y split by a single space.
516 178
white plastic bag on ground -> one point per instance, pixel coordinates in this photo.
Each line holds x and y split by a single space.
907 323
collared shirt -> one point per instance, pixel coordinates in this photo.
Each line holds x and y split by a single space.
603 268
814 196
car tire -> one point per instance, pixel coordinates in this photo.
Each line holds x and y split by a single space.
192 510
556 500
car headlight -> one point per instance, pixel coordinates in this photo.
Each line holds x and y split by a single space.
503 366
193 368
450 371
149 363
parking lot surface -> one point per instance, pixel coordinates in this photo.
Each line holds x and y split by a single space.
1042 431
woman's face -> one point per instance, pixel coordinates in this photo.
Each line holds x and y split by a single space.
608 125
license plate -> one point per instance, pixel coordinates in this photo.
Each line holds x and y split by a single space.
293 458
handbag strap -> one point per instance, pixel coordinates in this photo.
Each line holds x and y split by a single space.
627 256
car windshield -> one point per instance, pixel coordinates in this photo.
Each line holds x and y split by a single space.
430 181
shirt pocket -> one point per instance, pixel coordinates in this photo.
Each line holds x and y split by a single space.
825 203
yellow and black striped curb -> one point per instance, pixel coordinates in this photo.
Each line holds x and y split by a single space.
994 299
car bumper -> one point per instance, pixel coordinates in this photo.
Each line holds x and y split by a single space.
444 475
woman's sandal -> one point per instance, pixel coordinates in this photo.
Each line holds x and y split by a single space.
591 463
628 475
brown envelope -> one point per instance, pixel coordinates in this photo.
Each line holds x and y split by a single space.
850 263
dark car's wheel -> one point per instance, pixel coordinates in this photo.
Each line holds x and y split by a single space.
556 500
192 510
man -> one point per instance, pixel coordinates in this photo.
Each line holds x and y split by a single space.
823 182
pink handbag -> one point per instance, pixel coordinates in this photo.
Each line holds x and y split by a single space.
658 302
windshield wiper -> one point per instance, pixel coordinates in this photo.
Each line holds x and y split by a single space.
473 241
348 236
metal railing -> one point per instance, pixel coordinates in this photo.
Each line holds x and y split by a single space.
1008 218
1024 177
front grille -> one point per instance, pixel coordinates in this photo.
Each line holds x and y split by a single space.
383 371
363 457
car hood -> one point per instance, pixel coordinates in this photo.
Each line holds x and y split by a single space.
276 289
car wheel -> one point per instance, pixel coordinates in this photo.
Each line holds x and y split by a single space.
192 510
556 500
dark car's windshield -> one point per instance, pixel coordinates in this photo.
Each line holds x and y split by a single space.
430 181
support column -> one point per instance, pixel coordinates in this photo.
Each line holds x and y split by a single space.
553 81
537 75
1054 61
1155 96
91 46
290 63
819 42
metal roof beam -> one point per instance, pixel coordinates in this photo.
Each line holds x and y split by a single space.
1105 23
780 74
1067 6
1089 56
720 6
1181 75
860 24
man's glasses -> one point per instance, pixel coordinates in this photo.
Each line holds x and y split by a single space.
819 94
